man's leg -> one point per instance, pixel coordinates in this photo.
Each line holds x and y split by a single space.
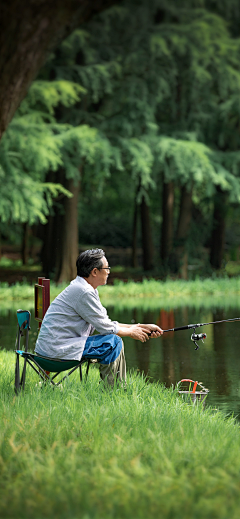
109 352
115 371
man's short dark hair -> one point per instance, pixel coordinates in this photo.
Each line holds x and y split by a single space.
89 260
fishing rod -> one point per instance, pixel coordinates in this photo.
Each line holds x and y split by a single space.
199 336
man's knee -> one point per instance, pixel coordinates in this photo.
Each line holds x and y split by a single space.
116 341
118 344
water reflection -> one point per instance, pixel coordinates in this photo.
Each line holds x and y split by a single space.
220 347
172 357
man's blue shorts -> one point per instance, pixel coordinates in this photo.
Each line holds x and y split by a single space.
104 348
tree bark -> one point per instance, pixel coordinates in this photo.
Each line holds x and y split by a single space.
218 228
167 220
51 249
134 261
134 236
185 214
184 220
147 244
51 232
69 235
24 249
28 32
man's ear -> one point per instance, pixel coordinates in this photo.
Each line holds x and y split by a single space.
94 272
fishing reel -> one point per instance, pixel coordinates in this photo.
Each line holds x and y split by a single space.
198 337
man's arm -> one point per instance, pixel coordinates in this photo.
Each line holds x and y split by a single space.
92 311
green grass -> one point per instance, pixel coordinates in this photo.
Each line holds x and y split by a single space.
148 294
17 265
84 452
172 293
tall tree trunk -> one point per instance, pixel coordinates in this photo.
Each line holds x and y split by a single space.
24 248
134 259
184 220
51 232
218 228
167 220
28 32
52 239
69 236
147 244
185 214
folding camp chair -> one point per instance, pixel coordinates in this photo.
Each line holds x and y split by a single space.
43 366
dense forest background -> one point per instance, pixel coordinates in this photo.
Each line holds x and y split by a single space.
129 138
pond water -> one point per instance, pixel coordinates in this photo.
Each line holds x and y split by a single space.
173 357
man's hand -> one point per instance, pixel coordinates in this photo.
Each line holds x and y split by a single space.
154 331
140 332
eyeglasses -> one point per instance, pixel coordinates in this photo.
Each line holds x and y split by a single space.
105 268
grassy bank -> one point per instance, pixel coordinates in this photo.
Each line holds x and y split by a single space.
147 294
82 452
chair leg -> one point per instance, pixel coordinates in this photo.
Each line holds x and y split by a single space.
80 371
87 370
23 377
17 386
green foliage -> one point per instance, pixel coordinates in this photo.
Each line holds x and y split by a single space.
172 78
35 144
138 453
148 89
83 144
28 150
44 96
193 163
26 200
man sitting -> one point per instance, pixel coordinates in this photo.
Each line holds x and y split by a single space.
68 325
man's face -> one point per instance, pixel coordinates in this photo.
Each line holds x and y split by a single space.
102 273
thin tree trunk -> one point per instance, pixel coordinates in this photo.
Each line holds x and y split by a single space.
52 240
134 259
147 244
167 220
24 248
69 238
218 228
185 214
51 232
184 220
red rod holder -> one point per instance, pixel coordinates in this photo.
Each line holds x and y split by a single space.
42 298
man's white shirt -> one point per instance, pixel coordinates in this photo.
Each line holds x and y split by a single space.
71 318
